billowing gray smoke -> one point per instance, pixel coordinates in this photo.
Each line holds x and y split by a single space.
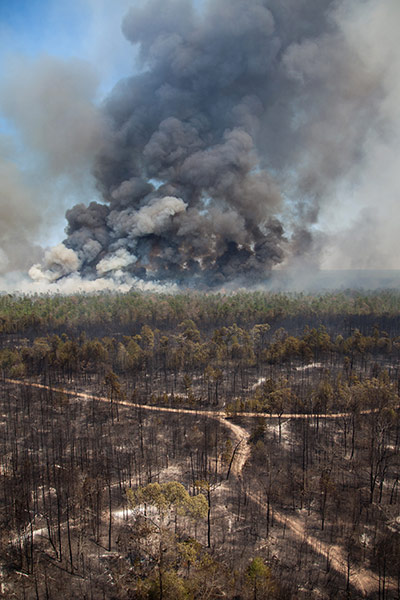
187 196
236 109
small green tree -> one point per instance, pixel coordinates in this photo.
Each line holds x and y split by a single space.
259 577
169 500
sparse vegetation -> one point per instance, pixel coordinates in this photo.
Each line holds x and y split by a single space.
200 446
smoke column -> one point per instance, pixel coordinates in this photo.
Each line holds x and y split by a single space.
220 154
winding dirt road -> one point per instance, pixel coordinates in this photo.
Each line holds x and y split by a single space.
364 580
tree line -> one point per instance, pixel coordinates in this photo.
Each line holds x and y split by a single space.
109 312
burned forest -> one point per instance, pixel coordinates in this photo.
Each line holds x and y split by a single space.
177 422
200 446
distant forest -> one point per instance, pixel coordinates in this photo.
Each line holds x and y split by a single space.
126 313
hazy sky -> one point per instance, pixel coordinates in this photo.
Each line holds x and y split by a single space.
60 60
50 47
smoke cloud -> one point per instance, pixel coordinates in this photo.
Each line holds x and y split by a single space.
18 218
52 103
58 129
234 149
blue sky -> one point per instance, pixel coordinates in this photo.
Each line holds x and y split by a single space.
78 28
88 31
34 26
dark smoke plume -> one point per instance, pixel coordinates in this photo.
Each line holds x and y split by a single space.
241 118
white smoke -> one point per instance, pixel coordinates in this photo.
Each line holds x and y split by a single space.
115 262
58 262
152 218
74 283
